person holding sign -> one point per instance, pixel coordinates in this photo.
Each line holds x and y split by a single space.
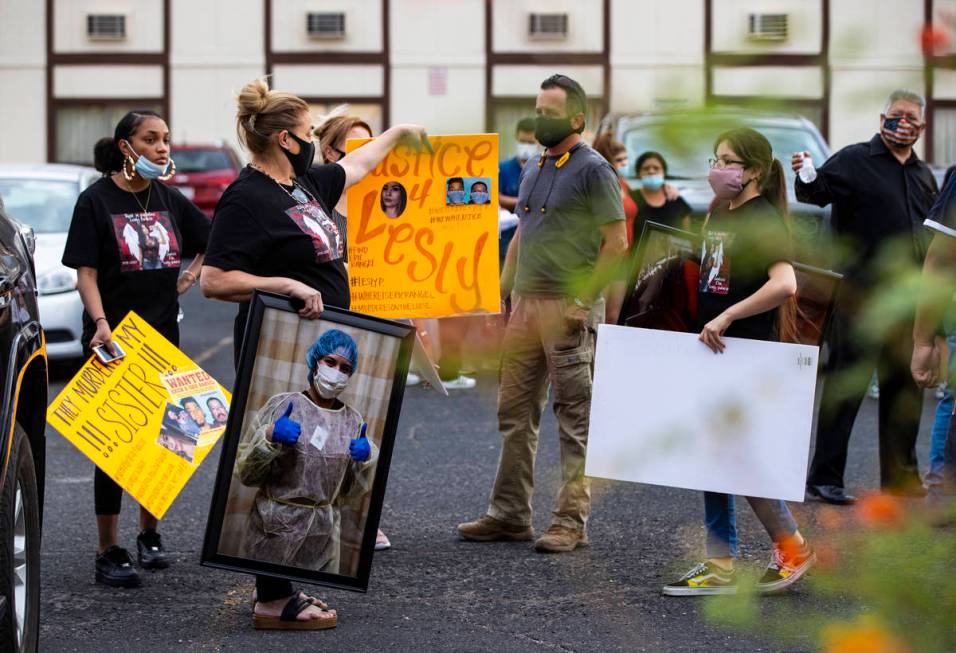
739 293
333 134
306 451
259 240
570 240
127 238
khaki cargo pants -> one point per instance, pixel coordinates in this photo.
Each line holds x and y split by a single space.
539 347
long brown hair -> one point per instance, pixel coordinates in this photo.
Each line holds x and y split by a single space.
335 129
755 151
608 147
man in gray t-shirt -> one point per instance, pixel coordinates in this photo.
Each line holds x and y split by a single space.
561 212
570 239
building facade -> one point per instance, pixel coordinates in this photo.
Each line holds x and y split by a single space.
70 68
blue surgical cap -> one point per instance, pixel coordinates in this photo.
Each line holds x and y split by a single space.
335 342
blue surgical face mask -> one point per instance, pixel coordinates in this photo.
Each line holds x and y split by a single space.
456 197
652 182
146 168
479 197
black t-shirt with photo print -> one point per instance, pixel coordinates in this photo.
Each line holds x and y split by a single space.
739 248
136 244
268 230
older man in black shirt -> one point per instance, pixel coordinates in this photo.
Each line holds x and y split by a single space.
880 192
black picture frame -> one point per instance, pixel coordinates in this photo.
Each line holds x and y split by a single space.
647 305
211 556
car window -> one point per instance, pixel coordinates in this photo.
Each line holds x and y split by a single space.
688 147
44 204
201 160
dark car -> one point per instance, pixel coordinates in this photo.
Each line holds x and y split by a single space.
203 172
23 447
686 140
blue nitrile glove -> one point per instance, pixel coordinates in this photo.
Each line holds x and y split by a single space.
360 448
286 430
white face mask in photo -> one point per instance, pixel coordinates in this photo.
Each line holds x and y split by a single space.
526 151
328 381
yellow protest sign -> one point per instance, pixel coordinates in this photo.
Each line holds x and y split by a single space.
148 419
423 230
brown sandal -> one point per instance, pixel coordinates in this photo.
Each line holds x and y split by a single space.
317 602
288 620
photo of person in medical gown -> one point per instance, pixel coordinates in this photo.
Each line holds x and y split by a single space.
306 452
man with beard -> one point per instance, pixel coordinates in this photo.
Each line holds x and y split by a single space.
881 192
218 410
572 237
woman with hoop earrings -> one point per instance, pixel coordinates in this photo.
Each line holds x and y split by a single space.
127 240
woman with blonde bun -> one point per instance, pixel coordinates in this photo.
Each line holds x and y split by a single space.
264 236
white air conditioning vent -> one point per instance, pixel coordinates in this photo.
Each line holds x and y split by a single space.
325 25
106 27
547 26
767 27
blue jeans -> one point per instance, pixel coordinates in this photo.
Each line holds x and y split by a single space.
721 520
944 411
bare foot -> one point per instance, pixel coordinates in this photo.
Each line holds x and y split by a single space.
274 609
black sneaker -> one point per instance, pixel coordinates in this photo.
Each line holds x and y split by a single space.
114 567
150 551
704 579
786 568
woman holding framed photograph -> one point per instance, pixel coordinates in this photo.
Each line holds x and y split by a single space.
259 241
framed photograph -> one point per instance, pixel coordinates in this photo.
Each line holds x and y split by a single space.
308 444
662 287
662 281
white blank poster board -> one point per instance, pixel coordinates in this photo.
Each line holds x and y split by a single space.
668 411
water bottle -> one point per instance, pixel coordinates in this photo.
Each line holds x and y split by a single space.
807 173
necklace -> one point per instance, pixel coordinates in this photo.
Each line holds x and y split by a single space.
285 190
149 191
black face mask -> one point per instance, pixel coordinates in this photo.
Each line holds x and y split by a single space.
551 131
302 161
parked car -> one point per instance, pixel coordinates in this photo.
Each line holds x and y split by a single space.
203 172
686 139
42 197
23 444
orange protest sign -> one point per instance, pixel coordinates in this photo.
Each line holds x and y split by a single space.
423 230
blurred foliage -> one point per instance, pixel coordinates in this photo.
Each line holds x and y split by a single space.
890 566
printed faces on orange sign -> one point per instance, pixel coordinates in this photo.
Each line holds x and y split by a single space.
423 229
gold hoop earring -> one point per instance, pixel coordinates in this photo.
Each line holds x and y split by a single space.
128 174
172 171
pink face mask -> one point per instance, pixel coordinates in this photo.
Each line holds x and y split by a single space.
726 182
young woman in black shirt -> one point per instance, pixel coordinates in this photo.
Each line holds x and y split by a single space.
745 279
127 240
273 230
